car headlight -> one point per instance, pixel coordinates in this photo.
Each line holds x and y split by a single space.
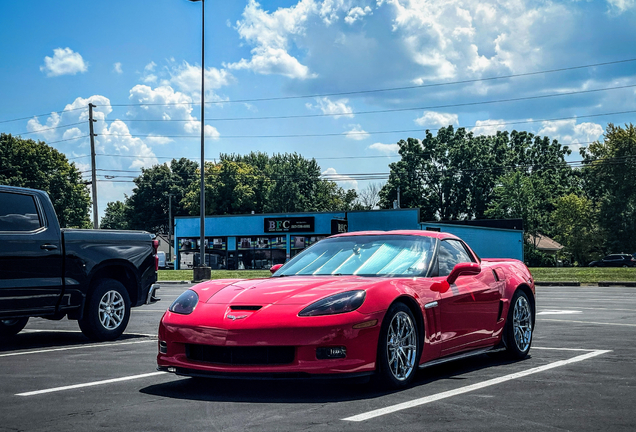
185 303
335 304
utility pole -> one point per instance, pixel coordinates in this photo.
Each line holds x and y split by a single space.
94 176
398 197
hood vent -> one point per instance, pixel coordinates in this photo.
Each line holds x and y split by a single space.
245 308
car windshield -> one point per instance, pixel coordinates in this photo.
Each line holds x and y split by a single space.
372 255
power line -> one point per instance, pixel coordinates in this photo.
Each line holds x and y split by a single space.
385 176
381 132
42 115
51 128
391 110
385 89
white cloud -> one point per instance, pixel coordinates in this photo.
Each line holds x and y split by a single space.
46 131
487 127
569 133
72 133
332 107
64 62
388 149
150 66
117 68
343 181
270 33
187 78
621 6
356 132
432 119
357 13
167 104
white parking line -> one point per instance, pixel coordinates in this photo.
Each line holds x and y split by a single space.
589 322
559 312
96 345
473 387
90 384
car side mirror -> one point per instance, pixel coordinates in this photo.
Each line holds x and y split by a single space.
275 268
461 269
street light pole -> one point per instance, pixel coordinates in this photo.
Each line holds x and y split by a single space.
202 272
170 228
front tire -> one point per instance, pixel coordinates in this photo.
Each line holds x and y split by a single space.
519 326
107 311
398 348
11 327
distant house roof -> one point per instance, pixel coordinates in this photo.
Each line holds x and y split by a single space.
545 243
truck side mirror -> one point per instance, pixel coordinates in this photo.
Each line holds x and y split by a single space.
275 268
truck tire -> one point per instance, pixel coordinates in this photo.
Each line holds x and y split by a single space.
107 311
11 327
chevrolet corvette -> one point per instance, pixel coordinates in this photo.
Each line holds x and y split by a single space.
355 304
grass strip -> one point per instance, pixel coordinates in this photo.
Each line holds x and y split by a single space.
540 274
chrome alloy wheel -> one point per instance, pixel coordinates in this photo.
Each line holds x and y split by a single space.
522 324
111 310
401 345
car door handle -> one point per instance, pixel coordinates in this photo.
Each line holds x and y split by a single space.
48 246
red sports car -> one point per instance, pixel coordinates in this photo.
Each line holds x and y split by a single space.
355 304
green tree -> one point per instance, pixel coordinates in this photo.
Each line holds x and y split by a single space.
453 175
147 207
575 222
609 172
230 188
36 165
115 216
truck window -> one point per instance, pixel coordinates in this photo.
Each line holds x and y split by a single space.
18 212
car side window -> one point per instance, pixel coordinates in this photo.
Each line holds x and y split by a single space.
18 212
450 253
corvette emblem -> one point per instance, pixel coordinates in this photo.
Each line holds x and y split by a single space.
236 317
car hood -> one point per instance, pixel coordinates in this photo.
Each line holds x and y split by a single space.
287 290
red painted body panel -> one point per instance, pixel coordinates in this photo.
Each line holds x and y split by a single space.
470 314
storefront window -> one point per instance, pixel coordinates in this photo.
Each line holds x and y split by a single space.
255 253
189 253
298 243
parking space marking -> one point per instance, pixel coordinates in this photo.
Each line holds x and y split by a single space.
589 322
90 384
447 394
558 312
96 345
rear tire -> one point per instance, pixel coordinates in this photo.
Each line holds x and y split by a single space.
519 326
11 327
107 311
398 348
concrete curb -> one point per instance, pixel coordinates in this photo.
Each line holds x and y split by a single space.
600 283
626 284
569 283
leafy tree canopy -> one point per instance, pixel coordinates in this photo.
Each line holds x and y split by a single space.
36 165
609 173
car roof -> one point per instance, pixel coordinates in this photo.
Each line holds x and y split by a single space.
421 233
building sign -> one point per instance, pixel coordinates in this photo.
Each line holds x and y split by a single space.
291 224
339 226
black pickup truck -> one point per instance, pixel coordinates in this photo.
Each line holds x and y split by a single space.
93 276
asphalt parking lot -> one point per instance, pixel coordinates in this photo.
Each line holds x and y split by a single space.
581 375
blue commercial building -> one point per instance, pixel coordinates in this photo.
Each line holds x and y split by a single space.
258 241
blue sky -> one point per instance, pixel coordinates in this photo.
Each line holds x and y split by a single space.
59 56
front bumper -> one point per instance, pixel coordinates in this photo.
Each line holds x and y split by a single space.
275 326
152 294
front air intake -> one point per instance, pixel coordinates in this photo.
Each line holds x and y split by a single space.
245 308
233 355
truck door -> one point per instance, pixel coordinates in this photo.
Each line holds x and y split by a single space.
30 256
